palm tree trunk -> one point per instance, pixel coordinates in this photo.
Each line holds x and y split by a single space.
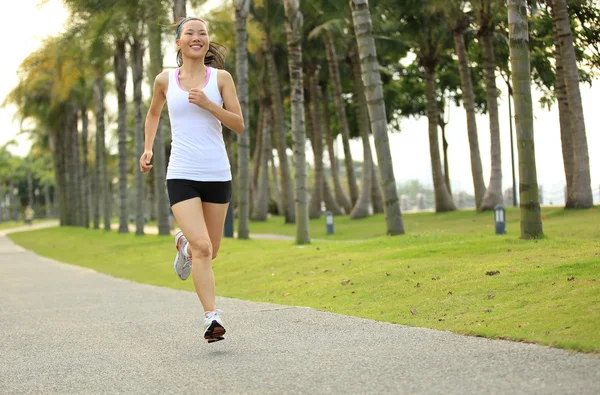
276 185
361 18
137 71
331 203
101 165
493 193
363 205
581 196
47 199
340 194
69 180
564 114
531 223
256 156
287 185
179 10
58 156
120 70
85 179
340 106
442 126
75 164
29 188
293 25
469 103
443 200
158 149
261 205
313 113
241 67
376 196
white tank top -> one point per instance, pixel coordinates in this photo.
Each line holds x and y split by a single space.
197 149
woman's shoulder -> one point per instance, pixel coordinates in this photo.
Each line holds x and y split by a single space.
223 76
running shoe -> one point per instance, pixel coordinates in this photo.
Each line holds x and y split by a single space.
213 327
182 263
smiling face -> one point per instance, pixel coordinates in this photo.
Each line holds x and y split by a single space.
193 39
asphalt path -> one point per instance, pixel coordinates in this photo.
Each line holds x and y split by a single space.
69 330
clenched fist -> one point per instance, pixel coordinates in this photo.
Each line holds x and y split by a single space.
145 159
199 98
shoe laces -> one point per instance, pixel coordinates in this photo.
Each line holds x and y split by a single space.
213 315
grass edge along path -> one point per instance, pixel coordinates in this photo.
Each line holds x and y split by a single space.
464 281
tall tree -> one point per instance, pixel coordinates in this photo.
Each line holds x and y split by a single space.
241 66
487 11
159 155
459 21
566 126
120 71
340 195
531 222
314 124
293 26
287 185
137 69
581 196
340 106
179 9
361 18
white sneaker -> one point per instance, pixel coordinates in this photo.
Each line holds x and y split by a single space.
182 263
213 327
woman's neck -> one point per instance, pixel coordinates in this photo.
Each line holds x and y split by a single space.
192 66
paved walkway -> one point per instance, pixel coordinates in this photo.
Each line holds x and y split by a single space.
69 330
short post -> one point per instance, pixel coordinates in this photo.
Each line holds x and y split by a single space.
500 216
329 222
228 228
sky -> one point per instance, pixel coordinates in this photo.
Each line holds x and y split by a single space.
410 148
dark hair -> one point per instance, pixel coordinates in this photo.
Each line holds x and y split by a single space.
215 56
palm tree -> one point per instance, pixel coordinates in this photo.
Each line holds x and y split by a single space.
260 209
566 131
241 67
334 73
531 223
313 123
137 69
487 10
361 18
293 26
340 195
179 9
120 71
157 17
459 21
580 195
362 206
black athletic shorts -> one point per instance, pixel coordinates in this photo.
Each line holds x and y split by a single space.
208 191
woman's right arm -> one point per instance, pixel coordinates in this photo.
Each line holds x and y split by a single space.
159 97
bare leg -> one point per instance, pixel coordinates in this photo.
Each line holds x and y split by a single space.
189 215
214 217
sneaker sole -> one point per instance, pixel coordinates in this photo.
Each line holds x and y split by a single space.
184 273
214 332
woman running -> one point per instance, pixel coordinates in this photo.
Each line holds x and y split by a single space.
198 173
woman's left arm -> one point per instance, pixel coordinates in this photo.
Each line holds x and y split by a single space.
231 115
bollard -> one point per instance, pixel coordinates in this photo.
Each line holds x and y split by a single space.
329 222
500 216
228 228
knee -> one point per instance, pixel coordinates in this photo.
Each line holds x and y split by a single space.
201 248
215 250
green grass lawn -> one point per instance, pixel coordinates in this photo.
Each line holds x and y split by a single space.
449 272
16 224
